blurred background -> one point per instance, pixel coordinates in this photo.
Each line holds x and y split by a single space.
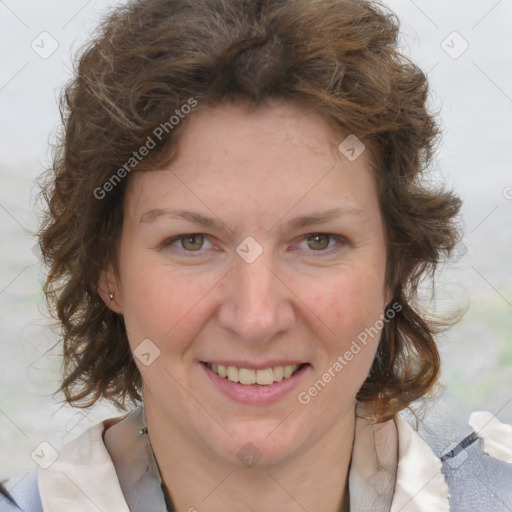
466 48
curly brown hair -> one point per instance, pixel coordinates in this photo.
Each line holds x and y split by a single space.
151 57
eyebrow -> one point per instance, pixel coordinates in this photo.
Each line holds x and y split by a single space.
194 217
320 217
209 222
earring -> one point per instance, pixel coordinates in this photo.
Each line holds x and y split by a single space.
111 296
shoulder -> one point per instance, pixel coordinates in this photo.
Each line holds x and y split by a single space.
83 465
478 481
478 469
24 492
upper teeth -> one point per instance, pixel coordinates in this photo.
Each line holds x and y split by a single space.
248 376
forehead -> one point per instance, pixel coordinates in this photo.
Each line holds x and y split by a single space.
278 153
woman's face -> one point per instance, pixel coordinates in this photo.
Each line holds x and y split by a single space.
261 246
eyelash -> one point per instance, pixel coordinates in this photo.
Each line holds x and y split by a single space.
341 240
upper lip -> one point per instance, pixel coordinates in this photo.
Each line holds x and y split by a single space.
255 366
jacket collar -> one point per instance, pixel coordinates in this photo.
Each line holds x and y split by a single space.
394 470
82 478
111 467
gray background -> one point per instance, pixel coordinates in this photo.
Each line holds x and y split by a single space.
472 89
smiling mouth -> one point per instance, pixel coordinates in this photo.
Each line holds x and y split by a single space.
248 376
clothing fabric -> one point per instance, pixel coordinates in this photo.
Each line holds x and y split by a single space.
111 468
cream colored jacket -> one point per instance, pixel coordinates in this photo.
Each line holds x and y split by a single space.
393 470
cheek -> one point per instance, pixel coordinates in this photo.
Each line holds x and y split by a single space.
159 303
351 308
349 304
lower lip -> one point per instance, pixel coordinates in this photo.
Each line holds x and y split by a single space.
256 394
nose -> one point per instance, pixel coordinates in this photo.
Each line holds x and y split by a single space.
256 303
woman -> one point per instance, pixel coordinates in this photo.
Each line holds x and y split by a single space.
236 229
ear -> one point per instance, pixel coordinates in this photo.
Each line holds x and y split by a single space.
109 289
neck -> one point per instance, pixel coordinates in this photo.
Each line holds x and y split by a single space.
313 478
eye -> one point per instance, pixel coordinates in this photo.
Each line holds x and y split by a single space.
323 242
187 243
192 242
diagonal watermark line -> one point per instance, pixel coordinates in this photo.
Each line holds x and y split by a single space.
5 499
424 14
68 69
13 279
489 283
76 14
505 405
286 491
69 431
199 403
14 76
14 424
300 199
486 14
432 68
15 219
405 507
88 497
12 12
215 488
280 423
302 301
184 184
484 219
495 416
61 406
492 81
192 307
417 494
17 483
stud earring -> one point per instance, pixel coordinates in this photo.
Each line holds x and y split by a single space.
111 296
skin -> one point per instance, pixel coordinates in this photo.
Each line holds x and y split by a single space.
253 172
